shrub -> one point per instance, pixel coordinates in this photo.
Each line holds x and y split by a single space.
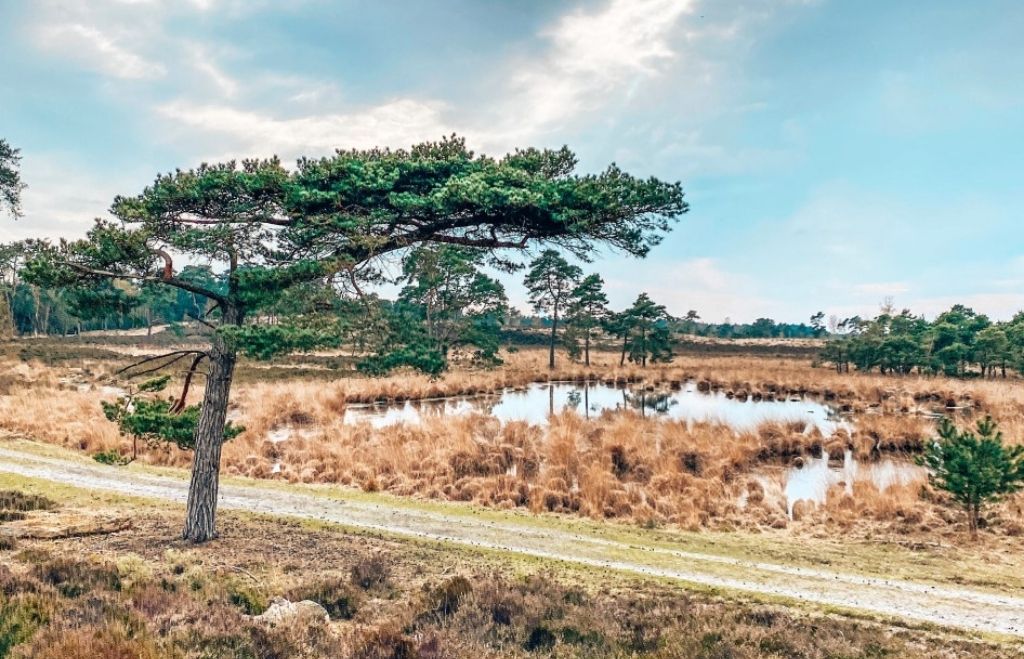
73 578
974 469
574 636
17 500
20 617
332 593
447 597
250 599
111 457
540 638
370 572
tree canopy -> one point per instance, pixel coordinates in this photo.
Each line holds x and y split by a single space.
953 344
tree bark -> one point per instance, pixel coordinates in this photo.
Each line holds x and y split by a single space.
554 330
200 513
586 348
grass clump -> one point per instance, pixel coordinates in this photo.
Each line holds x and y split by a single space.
73 577
249 598
370 572
20 617
15 500
448 597
106 641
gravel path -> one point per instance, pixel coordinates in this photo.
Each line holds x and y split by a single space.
943 605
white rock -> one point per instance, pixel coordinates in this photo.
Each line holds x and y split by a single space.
281 611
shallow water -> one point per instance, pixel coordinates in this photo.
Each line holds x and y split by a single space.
539 400
813 480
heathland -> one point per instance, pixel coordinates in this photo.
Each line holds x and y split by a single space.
683 500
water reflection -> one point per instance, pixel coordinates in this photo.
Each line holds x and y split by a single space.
815 477
537 401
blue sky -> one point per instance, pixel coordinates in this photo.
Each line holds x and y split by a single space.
834 153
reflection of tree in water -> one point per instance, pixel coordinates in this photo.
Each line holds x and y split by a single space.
439 407
578 396
656 401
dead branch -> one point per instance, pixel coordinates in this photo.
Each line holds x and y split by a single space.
177 355
180 405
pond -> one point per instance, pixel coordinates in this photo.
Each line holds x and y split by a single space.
534 403
812 480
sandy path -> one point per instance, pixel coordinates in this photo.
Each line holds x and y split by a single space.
942 605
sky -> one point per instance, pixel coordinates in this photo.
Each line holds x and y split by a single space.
834 154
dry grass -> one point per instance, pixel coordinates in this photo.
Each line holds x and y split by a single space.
617 466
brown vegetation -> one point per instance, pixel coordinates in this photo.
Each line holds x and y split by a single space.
617 466
159 598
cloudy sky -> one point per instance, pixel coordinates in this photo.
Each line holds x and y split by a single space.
834 153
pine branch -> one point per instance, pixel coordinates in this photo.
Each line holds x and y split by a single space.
170 281
178 355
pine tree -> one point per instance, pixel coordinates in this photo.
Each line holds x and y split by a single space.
974 469
458 304
332 220
649 337
588 308
550 282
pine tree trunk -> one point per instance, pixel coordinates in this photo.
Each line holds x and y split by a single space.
586 348
551 350
202 493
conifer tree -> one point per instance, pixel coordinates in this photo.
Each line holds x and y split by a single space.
274 230
550 283
588 308
976 469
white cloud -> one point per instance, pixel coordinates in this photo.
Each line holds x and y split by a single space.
881 289
593 57
99 51
61 199
396 123
203 61
702 283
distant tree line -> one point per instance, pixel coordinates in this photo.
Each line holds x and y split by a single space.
959 342
447 306
30 309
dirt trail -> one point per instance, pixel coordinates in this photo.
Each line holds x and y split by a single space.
942 605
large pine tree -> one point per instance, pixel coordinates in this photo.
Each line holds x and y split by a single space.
275 229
